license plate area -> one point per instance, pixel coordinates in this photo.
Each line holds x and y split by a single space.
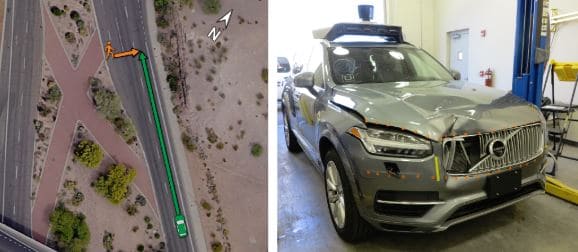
504 183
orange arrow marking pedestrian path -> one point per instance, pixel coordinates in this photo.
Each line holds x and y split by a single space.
132 52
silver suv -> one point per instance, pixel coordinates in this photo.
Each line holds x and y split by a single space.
402 145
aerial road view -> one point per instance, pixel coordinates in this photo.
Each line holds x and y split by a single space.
133 125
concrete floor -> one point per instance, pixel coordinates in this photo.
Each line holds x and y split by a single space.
542 223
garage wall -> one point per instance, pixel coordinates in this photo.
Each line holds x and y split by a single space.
495 51
417 18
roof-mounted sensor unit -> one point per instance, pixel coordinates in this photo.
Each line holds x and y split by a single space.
390 34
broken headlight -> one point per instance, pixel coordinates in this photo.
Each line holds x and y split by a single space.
392 143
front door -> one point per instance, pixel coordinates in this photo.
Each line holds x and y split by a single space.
459 48
306 116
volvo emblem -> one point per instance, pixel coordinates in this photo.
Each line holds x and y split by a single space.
497 148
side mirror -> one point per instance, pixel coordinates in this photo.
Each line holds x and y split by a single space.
455 74
304 80
297 68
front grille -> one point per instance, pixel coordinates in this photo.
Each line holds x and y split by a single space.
470 154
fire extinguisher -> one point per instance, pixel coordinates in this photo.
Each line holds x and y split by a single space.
488 76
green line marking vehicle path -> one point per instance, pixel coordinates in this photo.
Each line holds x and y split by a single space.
179 218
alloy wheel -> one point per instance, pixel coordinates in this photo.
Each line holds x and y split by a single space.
335 196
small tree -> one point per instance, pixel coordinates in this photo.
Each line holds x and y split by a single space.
114 184
69 229
88 153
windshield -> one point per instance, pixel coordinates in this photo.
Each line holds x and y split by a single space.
355 65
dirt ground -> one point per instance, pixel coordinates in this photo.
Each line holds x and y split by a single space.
64 24
226 114
101 215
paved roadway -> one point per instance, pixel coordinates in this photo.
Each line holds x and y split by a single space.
12 240
19 82
123 22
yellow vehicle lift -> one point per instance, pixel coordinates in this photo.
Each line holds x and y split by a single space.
560 190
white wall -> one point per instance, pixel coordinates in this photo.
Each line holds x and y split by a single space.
417 19
495 51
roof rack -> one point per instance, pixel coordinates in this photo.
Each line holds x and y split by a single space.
393 33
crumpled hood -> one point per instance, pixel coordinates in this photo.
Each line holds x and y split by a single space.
435 109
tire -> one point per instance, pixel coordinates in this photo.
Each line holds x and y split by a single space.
351 227
290 138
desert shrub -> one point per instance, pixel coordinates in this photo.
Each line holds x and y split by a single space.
173 81
141 200
256 150
74 15
216 246
147 219
88 153
107 240
211 135
265 75
70 38
140 247
131 209
53 93
211 6
188 142
56 11
125 128
149 226
107 103
80 24
77 198
70 230
114 184
69 184
162 22
161 6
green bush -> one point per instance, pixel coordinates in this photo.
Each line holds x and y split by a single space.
173 81
140 247
188 142
56 11
211 6
53 93
125 128
114 184
107 103
131 209
161 6
162 22
74 15
256 150
69 229
88 153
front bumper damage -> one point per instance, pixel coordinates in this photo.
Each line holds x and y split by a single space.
416 195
